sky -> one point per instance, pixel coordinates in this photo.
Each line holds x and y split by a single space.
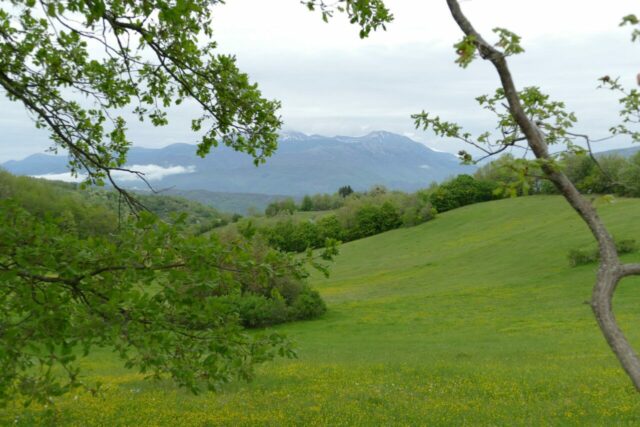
331 82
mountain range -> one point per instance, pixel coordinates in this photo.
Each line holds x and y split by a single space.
624 152
302 164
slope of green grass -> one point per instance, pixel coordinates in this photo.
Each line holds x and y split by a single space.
472 319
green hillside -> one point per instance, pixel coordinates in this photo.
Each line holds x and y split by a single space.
474 318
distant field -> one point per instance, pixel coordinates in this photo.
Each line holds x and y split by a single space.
474 318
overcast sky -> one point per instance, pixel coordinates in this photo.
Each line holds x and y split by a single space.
332 83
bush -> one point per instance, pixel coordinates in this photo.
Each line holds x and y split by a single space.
308 305
329 227
583 256
361 215
461 191
587 256
257 311
289 236
370 220
321 202
626 246
286 206
273 289
417 209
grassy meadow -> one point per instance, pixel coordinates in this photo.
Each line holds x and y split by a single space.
474 318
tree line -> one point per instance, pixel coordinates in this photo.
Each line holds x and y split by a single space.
353 215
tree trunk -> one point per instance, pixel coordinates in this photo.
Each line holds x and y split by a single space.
601 303
610 270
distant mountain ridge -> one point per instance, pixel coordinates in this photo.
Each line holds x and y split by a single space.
624 152
303 164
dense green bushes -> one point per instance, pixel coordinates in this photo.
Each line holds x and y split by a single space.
583 256
324 202
370 219
461 191
257 311
360 215
273 287
281 206
296 236
612 174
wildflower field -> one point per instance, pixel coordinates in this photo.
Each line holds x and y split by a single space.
475 318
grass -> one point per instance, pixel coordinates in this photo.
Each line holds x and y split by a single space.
475 318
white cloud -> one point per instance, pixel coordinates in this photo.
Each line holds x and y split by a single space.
151 173
66 177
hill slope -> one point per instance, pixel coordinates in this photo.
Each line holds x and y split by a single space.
472 319
303 164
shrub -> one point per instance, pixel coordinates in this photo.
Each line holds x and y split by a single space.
321 202
583 256
286 206
308 305
461 191
307 204
370 219
290 236
626 246
329 227
360 215
256 311
587 256
259 311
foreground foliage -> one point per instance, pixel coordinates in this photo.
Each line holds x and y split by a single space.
169 300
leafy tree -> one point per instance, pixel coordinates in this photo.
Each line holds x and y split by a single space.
510 177
329 227
630 176
307 204
529 119
287 206
74 65
461 191
149 292
601 176
530 116
345 191
323 202
370 220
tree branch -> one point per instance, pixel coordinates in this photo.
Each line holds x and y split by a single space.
629 270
